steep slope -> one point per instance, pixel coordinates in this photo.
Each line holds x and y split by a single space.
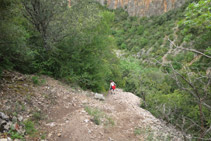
161 64
147 38
75 115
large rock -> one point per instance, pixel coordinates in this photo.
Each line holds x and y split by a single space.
142 8
3 116
99 96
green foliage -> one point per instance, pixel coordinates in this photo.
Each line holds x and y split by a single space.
73 44
97 115
13 50
77 45
37 81
50 22
43 136
171 100
140 30
29 127
197 14
143 81
162 95
90 58
109 121
196 25
37 116
137 131
14 134
123 46
136 33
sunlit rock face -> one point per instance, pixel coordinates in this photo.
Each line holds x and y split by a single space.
143 8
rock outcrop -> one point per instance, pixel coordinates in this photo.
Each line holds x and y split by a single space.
99 96
143 8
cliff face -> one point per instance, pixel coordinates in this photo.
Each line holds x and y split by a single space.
143 8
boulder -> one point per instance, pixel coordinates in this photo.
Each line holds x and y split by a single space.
99 96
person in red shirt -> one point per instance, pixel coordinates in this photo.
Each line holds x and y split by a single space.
112 87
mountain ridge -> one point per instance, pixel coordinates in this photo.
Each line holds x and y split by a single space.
143 8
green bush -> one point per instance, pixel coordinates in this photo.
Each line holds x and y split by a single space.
143 42
160 41
123 46
140 29
37 81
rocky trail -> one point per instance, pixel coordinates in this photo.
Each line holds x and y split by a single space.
70 114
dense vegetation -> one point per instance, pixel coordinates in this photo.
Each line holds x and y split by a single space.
165 59
168 64
47 37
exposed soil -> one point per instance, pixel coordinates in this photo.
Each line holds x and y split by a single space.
66 117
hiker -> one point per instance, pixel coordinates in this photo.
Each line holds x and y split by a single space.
112 87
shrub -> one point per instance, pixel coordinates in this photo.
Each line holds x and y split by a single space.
160 41
37 81
143 42
140 29
171 37
123 46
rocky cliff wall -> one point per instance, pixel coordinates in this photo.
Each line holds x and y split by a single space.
143 8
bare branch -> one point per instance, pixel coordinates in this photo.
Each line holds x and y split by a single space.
189 49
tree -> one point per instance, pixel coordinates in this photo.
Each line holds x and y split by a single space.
13 35
47 18
197 24
198 85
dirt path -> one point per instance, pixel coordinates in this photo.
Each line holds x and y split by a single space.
70 114
121 118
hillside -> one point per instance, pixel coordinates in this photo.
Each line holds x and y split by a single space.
143 8
163 64
60 112
163 59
